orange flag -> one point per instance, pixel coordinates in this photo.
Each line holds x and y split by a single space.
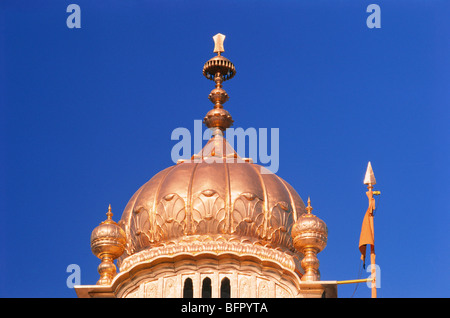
367 236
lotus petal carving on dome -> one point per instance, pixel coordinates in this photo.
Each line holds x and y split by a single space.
209 213
280 224
140 226
247 215
233 201
170 217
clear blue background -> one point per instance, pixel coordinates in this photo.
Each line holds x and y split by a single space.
86 117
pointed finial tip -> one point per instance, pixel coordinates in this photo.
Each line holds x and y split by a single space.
309 207
109 213
369 178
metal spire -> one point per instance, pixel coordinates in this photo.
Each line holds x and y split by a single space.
218 69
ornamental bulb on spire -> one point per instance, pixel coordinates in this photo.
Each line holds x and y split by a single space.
218 69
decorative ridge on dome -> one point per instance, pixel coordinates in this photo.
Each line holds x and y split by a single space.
218 69
219 245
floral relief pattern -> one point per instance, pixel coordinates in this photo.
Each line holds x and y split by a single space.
170 217
280 224
248 215
140 226
208 213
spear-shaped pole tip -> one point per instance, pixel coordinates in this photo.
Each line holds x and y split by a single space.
369 177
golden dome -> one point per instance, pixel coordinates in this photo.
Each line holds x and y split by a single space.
214 197
216 201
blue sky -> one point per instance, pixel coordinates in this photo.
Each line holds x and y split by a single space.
86 117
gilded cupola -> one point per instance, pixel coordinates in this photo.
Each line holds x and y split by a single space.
215 200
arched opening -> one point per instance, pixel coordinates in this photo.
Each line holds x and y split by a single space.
225 288
206 288
188 290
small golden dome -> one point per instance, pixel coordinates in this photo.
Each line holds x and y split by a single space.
108 238
108 242
310 231
310 235
216 196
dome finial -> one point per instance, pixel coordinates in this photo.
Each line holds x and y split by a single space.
309 207
109 214
218 69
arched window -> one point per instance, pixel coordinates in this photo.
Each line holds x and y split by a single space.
188 290
225 288
206 288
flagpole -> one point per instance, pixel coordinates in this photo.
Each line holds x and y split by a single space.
372 246
367 230
373 270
